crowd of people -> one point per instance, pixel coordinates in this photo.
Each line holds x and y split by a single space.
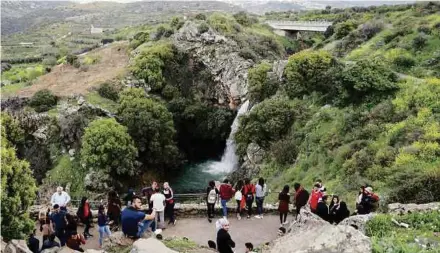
134 221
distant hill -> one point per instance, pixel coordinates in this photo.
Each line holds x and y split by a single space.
21 16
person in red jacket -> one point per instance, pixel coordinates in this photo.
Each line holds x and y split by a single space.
248 194
314 197
301 197
226 193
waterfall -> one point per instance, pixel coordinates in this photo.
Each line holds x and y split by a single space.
229 161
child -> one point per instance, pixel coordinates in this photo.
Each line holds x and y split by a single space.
102 224
158 200
249 247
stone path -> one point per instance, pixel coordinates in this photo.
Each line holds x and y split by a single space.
256 231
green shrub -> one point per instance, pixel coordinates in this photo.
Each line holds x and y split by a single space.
259 85
50 60
244 19
163 31
380 226
72 60
344 28
176 23
107 90
247 54
202 27
419 42
200 16
43 100
404 61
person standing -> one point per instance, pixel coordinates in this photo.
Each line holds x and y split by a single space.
114 209
238 197
211 198
58 223
224 241
84 213
60 198
301 197
102 224
249 191
260 193
158 200
147 192
315 197
226 193
283 206
169 203
135 222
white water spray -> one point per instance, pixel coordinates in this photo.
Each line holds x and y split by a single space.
229 160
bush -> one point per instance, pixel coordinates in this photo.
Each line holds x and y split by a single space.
243 19
106 146
176 23
369 29
43 100
419 42
107 90
49 61
200 16
247 54
202 27
380 226
344 28
259 85
72 60
164 31
404 61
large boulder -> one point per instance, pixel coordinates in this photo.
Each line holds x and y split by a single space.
150 245
52 250
358 221
311 234
398 208
17 246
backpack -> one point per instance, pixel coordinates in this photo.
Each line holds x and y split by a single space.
212 196
249 194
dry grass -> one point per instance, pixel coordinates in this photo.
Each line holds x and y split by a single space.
66 80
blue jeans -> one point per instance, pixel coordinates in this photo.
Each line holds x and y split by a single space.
225 209
259 201
144 225
102 231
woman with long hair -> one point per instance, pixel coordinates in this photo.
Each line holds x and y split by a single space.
238 197
211 198
260 193
102 224
85 215
169 203
114 205
283 206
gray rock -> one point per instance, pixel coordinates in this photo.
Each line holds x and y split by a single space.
116 239
357 221
398 208
51 250
17 246
312 235
255 153
72 152
150 245
81 100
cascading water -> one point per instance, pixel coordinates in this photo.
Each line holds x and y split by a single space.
195 177
229 159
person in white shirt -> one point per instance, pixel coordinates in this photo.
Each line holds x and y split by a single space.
158 200
61 198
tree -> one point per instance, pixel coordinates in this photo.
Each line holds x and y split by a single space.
106 146
260 86
344 28
17 192
312 71
151 126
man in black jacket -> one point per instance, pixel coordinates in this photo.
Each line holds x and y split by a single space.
33 243
224 241
322 208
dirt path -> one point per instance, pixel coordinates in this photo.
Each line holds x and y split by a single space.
66 80
200 231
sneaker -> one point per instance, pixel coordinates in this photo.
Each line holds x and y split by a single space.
281 224
174 223
285 223
239 217
158 231
257 216
248 217
224 217
209 220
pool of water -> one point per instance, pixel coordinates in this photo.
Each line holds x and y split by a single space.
194 178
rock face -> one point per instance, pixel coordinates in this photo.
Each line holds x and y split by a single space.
220 57
313 235
150 245
358 221
17 246
397 208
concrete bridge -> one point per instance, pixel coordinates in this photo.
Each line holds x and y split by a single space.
292 28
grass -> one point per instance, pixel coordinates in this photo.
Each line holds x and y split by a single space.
180 244
95 99
419 237
10 90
